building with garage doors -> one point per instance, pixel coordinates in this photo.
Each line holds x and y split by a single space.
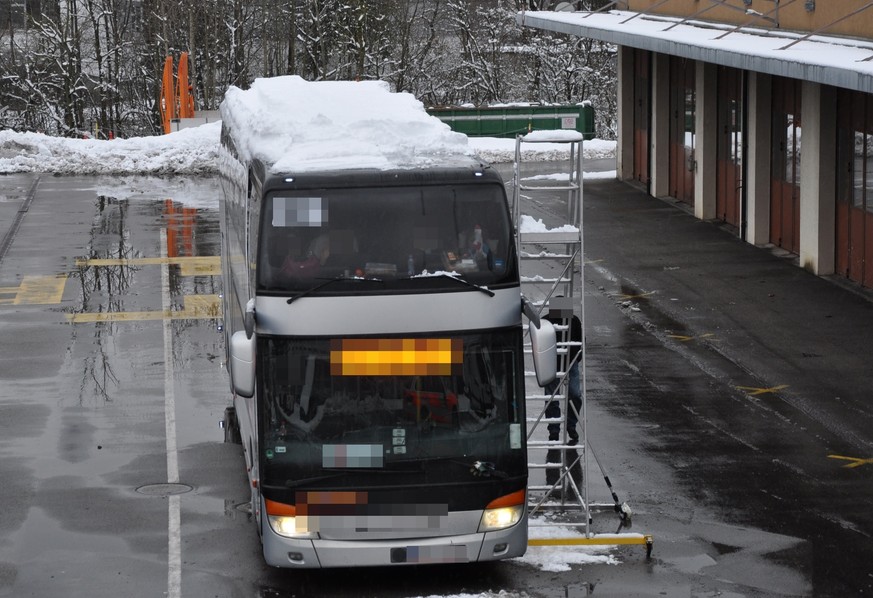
718 97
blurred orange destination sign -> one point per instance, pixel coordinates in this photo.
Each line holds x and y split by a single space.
396 357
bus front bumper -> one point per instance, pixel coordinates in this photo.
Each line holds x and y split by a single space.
307 554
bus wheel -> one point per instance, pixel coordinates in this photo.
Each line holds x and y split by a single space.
231 426
260 519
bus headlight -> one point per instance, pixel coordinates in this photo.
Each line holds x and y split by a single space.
495 519
503 512
285 522
290 527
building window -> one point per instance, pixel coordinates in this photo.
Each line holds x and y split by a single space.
854 210
863 171
792 148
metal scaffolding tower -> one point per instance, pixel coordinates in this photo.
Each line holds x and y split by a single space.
552 265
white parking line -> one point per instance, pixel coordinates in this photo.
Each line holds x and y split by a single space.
174 544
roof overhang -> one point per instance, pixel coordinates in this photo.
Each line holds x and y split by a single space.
837 61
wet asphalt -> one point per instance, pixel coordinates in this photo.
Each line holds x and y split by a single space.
729 398
745 382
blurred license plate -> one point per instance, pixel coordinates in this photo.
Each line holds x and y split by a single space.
430 554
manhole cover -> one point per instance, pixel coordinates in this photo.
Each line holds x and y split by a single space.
164 489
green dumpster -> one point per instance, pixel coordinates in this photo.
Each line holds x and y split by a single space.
509 121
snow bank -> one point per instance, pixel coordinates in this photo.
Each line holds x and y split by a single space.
325 124
189 152
299 125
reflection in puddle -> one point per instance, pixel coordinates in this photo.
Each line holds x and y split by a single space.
119 274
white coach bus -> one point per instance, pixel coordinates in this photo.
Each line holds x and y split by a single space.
372 309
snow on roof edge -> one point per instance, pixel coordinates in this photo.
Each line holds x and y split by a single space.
837 61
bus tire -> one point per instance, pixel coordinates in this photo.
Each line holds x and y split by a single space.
231 426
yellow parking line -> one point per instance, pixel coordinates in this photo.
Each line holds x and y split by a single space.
853 461
119 316
754 391
639 296
208 265
10 292
646 540
202 306
597 540
682 338
40 290
197 307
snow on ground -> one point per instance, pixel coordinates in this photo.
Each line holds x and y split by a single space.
194 151
189 152
560 558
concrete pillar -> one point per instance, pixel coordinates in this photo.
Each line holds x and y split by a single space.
818 178
705 124
625 147
758 159
659 137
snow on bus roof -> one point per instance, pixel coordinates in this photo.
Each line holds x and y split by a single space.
297 125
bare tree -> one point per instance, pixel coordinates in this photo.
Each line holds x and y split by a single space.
75 66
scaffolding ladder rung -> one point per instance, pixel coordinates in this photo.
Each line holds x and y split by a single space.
552 444
552 136
546 488
548 187
549 237
548 256
538 280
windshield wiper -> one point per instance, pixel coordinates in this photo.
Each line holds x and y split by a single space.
327 282
486 469
304 481
487 291
482 469
342 472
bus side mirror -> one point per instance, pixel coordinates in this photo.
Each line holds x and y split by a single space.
249 318
242 363
544 346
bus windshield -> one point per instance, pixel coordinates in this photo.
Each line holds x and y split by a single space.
407 238
445 406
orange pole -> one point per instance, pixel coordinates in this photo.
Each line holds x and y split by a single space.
172 228
183 89
168 95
